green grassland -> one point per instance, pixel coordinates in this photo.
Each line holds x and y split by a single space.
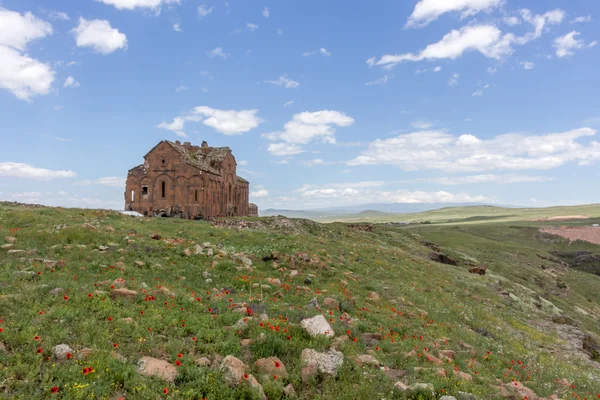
504 327
471 214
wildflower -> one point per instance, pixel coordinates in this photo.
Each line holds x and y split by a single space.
194 339
166 390
245 376
354 340
36 337
39 350
178 363
69 356
90 295
53 390
275 377
109 319
179 355
85 371
1 330
289 338
66 297
41 312
142 312
115 345
277 364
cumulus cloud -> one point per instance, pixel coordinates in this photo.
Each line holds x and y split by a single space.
284 149
133 4
421 124
427 11
580 20
381 81
61 199
113 181
251 27
227 122
204 10
177 28
437 150
528 65
307 126
59 16
285 82
71 82
99 35
489 178
480 90
486 39
218 52
27 171
259 193
289 103
266 12
22 75
322 51
453 81
566 45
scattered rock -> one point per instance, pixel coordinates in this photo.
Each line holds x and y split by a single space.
57 291
371 339
148 366
233 370
447 398
15 251
119 283
245 342
373 296
331 304
28 275
274 281
84 353
400 386
289 391
60 351
271 366
202 362
253 383
242 323
103 248
316 326
422 387
7 246
442 258
155 236
10 239
307 281
367 360
313 303
187 252
466 396
395 374
119 357
521 390
478 270
3 348
462 375
293 273
339 341
327 363
123 293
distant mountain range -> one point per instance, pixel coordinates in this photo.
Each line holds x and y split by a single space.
366 210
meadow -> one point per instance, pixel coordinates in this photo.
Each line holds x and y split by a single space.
114 289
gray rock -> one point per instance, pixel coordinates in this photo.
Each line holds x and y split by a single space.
316 326
466 396
57 291
447 398
233 370
422 387
60 351
328 363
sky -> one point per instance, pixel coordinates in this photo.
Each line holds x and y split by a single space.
323 103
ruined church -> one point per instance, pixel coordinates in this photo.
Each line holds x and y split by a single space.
194 182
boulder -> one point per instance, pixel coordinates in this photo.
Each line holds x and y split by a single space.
367 360
253 383
327 363
57 291
331 304
60 351
119 283
148 366
316 326
289 391
233 370
373 296
521 390
202 362
271 366
339 341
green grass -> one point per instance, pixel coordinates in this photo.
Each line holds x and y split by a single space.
422 304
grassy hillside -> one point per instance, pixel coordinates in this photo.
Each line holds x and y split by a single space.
530 323
473 214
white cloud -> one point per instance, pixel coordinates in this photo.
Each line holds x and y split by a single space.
228 122
59 139
307 126
421 124
284 149
427 11
176 126
289 103
99 35
528 65
480 90
511 21
218 52
242 163
61 199
489 178
259 193
113 181
580 20
177 28
181 88
381 81
453 80
486 39
133 4
285 82
71 82
322 51
22 75
437 69
437 150
19 30
26 171
251 27
266 12
566 45
491 70
203 10
59 16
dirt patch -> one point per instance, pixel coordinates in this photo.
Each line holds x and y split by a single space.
442 258
586 233
361 227
575 343
562 218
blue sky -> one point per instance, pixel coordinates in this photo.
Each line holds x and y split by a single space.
323 103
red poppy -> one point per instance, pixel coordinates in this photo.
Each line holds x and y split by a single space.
53 389
277 364
85 371
245 376
110 318
69 356
66 297
289 338
178 363
354 340
90 295
39 350
115 345
275 377
166 390
1 330
142 312
41 312
90 369
194 339
36 338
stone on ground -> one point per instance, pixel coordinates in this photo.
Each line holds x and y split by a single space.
327 363
331 304
149 366
60 351
271 366
123 293
233 370
316 326
367 360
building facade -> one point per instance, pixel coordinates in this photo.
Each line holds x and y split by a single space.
181 180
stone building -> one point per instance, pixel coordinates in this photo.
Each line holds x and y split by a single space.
186 181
